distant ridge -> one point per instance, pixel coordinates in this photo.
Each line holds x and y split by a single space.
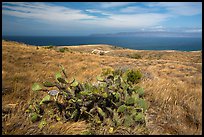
151 34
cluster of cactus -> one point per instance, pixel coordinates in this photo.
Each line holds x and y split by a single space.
114 97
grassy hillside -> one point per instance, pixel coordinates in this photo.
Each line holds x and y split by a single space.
172 81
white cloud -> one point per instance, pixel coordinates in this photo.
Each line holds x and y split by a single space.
158 28
134 9
115 4
98 11
51 18
43 11
194 30
64 17
130 20
180 8
93 11
61 15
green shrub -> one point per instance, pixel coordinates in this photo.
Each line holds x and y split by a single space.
135 56
65 49
48 47
133 76
62 50
114 98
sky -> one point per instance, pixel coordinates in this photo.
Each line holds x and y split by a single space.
85 18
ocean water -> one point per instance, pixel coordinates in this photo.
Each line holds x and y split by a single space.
138 43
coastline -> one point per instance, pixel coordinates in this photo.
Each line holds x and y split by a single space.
100 45
124 46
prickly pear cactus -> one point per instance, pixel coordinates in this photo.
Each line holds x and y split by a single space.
115 97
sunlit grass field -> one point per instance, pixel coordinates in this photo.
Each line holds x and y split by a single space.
172 81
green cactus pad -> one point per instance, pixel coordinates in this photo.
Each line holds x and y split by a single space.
36 87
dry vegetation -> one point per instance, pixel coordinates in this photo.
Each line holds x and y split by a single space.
172 82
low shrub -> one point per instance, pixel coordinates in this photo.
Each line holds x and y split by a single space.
65 49
48 47
135 56
133 76
62 50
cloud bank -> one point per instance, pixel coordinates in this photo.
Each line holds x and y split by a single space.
114 15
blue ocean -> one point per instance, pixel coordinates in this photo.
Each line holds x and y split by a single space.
138 43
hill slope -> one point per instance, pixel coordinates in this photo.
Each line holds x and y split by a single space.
172 81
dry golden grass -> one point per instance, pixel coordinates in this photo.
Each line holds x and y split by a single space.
172 81
18 123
